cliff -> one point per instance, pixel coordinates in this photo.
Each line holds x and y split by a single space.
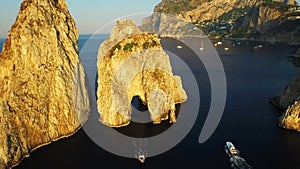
215 9
289 101
289 95
268 22
250 19
291 118
200 10
167 25
132 63
42 96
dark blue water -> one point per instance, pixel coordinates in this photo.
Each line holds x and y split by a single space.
249 121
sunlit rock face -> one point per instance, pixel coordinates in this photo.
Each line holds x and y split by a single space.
42 94
289 100
167 25
201 10
260 20
132 63
291 119
214 9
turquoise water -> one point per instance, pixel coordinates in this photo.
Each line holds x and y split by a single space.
249 121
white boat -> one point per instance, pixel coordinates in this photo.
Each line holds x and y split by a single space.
220 43
255 47
215 44
230 149
235 159
179 47
226 49
142 158
260 46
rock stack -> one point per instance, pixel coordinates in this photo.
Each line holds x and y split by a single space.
291 118
132 63
289 95
43 96
289 101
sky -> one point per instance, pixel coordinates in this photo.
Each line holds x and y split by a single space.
89 15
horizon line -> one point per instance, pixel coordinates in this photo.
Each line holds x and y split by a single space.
83 34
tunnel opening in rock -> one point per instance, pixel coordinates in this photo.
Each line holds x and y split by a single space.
138 104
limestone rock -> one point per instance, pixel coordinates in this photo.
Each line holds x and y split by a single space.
289 95
214 9
134 64
201 10
291 119
42 96
167 25
261 20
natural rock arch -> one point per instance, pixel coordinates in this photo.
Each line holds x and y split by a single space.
136 66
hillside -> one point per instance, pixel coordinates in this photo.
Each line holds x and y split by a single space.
263 20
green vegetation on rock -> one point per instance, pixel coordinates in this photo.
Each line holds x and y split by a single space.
174 7
129 46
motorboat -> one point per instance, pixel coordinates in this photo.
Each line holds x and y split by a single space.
226 49
237 162
142 158
230 149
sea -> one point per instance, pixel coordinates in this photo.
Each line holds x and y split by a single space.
253 76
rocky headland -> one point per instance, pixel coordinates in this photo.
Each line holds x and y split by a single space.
167 25
43 96
260 20
291 118
133 63
289 95
288 100
269 22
